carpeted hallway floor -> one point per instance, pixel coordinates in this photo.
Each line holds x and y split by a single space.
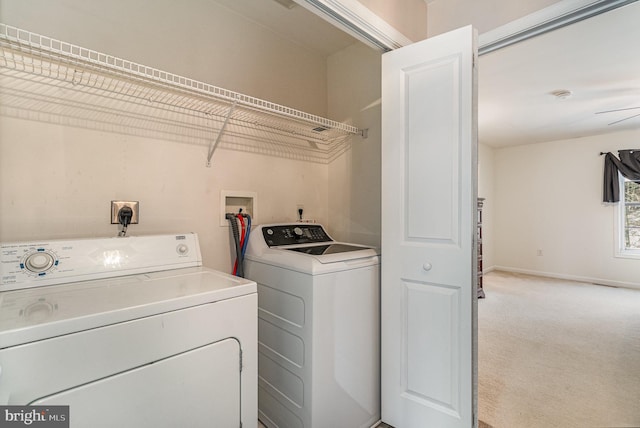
556 353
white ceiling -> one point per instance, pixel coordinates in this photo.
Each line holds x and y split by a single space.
598 60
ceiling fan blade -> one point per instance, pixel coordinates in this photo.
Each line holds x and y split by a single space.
622 120
618 109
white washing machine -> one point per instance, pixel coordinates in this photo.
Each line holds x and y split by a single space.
318 328
127 332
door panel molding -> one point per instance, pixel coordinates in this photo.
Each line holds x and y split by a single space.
424 159
433 380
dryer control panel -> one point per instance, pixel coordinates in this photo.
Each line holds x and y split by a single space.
291 234
38 263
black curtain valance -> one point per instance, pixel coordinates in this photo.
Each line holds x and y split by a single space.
628 165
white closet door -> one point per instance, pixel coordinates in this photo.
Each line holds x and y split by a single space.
429 155
199 388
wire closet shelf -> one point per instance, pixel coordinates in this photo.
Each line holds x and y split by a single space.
49 80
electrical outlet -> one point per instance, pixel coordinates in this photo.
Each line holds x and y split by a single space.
117 205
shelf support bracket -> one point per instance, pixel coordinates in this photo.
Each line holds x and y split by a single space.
214 143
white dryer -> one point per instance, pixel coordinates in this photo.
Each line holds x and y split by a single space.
318 328
128 332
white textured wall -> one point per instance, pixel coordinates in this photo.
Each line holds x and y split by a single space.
548 197
485 15
57 181
354 178
486 168
409 17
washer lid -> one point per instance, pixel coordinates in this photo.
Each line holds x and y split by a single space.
332 253
318 250
38 313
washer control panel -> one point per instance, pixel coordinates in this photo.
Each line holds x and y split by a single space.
33 264
30 261
294 234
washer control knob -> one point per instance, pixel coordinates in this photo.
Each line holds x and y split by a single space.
182 249
39 262
297 231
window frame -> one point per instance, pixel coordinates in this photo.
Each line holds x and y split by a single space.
621 251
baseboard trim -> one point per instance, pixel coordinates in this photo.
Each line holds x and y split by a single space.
597 281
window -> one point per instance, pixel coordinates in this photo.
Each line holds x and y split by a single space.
629 218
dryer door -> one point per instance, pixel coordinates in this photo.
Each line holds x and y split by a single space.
197 388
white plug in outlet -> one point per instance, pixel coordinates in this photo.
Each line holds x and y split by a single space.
117 205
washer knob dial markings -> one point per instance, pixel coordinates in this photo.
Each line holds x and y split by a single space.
39 262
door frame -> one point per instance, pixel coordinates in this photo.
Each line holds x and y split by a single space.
354 18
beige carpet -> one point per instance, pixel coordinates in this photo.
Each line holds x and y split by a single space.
558 353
